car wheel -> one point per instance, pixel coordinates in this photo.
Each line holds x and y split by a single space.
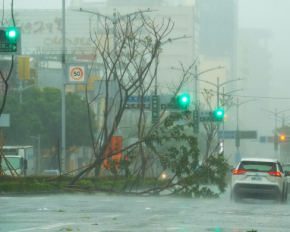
286 195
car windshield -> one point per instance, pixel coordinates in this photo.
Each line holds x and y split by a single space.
257 166
14 161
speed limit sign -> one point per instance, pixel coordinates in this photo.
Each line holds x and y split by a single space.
77 74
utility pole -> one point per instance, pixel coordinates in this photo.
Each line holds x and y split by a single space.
63 135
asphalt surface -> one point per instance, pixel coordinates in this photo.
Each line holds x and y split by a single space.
101 212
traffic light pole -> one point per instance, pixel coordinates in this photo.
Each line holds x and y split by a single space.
275 136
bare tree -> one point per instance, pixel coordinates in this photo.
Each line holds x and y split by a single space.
211 129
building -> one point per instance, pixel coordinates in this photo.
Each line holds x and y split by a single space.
218 31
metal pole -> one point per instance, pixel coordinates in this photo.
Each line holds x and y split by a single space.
156 63
63 91
20 91
276 130
115 45
223 118
218 91
195 87
238 121
218 96
39 155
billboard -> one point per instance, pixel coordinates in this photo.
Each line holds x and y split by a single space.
115 146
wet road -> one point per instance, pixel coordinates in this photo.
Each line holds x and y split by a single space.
101 212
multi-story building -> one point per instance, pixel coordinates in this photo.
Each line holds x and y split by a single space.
218 31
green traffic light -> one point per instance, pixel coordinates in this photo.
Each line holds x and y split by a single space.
219 113
184 99
11 33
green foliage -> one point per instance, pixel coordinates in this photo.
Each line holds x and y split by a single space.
40 113
84 182
181 156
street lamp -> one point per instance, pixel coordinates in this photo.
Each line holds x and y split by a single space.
196 75
156 59
275 136
218 85
114 20
226 94
22 89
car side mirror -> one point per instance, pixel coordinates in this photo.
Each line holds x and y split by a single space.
233 169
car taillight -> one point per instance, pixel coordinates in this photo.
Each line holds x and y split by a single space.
239 172
275 174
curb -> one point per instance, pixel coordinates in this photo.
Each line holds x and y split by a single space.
16 194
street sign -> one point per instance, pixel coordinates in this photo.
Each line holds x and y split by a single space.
227 134
134 102
248 134
266 139
135 99
208 116
155 108
77 73
5 120
24 68
170 106
195 117
10 45
137 106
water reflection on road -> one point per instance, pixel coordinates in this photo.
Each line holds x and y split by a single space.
102 212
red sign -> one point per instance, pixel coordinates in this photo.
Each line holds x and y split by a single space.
76 73
115 146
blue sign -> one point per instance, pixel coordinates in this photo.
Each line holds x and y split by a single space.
137 99
266 139
227 134
263 139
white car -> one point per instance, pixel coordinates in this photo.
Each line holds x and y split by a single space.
259 178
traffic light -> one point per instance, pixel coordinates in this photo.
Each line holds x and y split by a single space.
10 41
8 34
282 138
219 115
183 101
